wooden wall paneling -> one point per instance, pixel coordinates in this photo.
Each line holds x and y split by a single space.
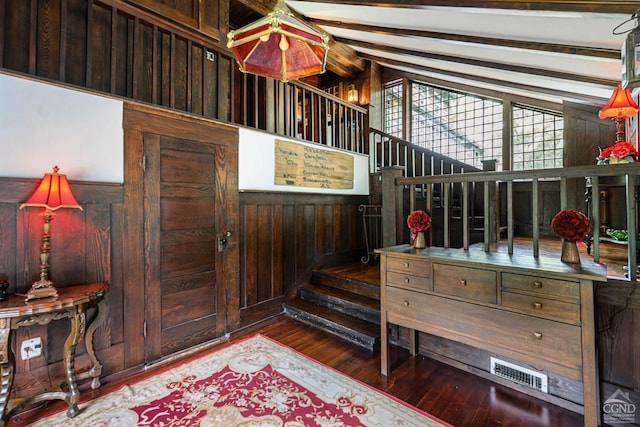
100 55
226 191
184 11
209 84
289 249
195 81
121 35
48 64
91 45
133 249
76 38
250 251
264 242
225 81
152 261
305 236
584 133
16 35
325 242
618 316
144 50
2 32
617 310
214 17
325 228
10 254
277 252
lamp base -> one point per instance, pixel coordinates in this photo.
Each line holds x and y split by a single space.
42 289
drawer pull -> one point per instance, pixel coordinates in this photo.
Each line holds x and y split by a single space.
537 305
406 303
406 265
463 282
407 280
537 285
537 335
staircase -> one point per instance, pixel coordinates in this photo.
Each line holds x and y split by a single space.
344 301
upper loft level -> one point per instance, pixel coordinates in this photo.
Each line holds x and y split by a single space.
174 57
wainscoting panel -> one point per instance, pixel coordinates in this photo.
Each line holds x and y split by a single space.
284 236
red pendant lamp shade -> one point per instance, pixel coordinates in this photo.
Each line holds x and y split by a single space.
621 105
279 46
53 193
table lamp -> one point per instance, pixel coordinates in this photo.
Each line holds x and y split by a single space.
53 193
620 107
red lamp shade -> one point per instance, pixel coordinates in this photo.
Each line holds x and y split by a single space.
53 193
620 105
279 46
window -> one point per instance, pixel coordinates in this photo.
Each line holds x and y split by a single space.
465 127
537 139
393 109
469 128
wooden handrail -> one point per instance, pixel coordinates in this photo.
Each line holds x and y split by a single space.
387 150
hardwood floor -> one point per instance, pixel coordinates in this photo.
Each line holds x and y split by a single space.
452 395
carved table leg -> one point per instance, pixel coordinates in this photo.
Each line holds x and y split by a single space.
96 367
77 330
6 367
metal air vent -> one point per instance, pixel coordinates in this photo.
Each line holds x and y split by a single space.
519 374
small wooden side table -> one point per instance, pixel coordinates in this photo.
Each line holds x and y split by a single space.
72 302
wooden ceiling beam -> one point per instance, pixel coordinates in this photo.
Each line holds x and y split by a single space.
593 6
516 44
479 63
472 77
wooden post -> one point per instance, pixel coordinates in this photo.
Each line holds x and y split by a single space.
391 205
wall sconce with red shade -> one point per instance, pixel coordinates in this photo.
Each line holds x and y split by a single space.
52 194
279 46
620 107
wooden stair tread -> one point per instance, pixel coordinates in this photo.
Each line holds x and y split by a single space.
358 331
351 297
328 278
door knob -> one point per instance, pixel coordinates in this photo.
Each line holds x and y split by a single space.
222 241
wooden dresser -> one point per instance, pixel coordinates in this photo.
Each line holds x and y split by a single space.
537 311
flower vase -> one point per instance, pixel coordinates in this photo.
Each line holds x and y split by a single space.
570 252
420 242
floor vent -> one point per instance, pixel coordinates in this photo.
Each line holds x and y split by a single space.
519 374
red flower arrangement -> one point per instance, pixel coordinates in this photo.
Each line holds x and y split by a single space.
571 225
619 151
417 221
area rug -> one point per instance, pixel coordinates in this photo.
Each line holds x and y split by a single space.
256 382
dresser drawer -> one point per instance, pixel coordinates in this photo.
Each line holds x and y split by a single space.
544 343
408 281
543 307
569 291
409 266
470 283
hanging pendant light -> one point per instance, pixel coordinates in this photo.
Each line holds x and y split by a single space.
279 46
631 52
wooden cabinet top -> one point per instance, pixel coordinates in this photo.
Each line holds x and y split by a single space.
68 296
522 264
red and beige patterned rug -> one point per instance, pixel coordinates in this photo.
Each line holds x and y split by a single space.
256 382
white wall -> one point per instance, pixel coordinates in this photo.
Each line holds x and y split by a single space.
43 125
256 154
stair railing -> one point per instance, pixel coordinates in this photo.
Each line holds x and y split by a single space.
393 213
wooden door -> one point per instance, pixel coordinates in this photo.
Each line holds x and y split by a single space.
185 290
